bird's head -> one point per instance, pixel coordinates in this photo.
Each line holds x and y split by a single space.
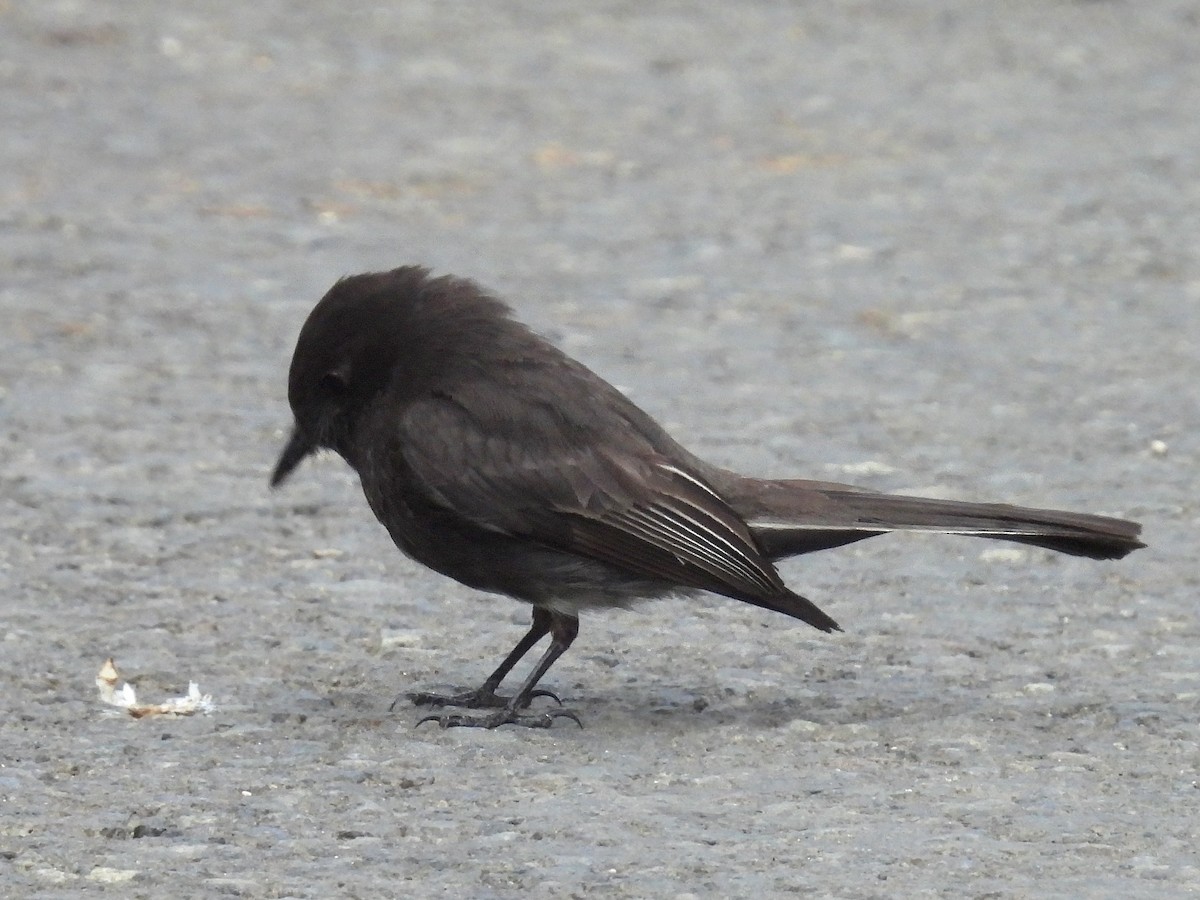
345 355
399 331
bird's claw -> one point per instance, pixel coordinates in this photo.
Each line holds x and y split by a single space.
507 716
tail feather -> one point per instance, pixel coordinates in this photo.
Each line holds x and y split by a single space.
794 517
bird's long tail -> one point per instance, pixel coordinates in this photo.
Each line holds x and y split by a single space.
790 517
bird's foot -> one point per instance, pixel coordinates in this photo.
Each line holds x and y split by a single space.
484 697
509 715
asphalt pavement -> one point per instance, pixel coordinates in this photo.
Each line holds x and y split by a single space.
929 247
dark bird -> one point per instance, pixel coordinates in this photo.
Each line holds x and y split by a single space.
494 458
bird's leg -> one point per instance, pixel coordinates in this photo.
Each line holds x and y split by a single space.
485 695
563 631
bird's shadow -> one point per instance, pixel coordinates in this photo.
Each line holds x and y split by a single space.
651 707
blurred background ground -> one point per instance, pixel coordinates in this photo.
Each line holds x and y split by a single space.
923 246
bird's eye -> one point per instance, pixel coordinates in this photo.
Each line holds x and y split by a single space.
333 382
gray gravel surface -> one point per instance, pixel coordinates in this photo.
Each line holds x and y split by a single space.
924 246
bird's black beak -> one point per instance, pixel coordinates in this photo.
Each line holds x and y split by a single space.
298 447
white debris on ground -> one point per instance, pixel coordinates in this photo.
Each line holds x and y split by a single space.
126 698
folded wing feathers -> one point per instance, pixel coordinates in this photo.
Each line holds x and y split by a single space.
689 520
698 539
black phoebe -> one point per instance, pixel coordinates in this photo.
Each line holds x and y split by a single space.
492 457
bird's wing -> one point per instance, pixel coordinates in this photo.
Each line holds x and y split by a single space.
591 487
